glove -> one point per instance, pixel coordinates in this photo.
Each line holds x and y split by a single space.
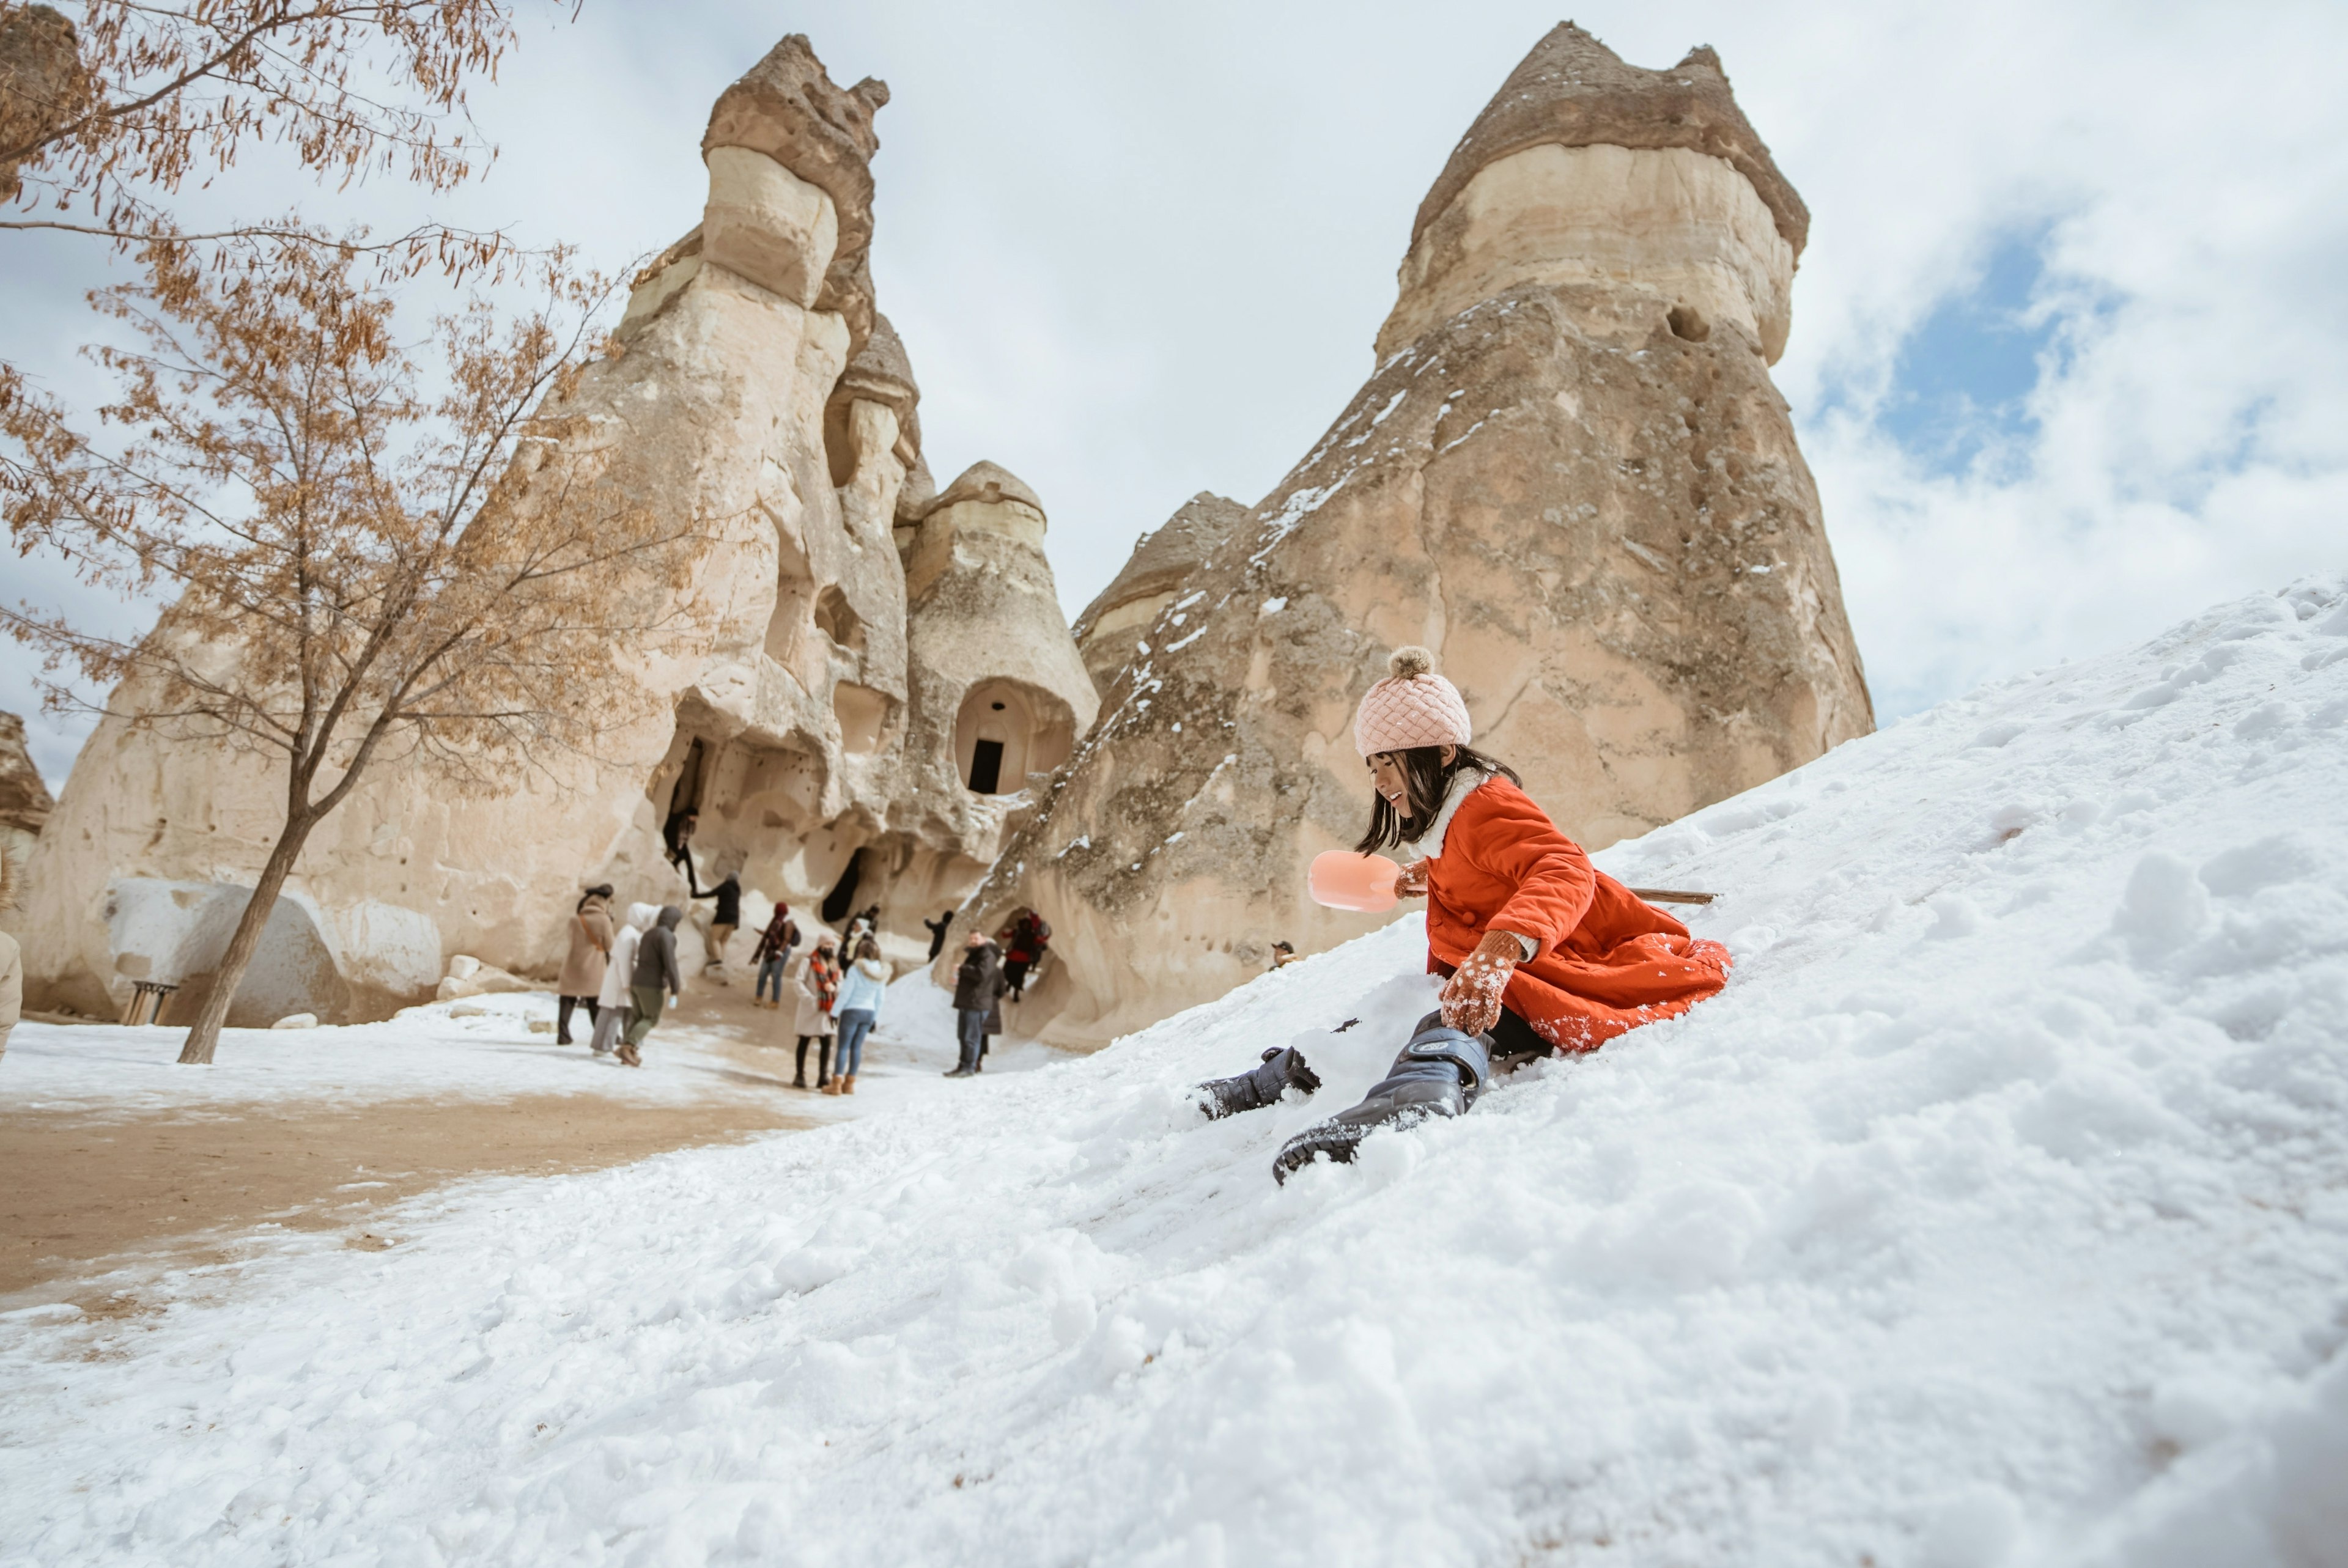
1471 997
1411 881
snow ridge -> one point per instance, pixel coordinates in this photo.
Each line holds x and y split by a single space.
1995 1213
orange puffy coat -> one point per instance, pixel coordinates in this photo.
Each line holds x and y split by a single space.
1607 961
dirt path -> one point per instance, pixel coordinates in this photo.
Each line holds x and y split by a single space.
76 1190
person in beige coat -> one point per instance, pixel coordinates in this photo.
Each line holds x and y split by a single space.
582 979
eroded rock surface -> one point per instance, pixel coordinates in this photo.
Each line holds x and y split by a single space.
814 710
25 802
1154 576
1569 475
43 82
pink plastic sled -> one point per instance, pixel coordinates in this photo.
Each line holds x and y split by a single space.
1341 879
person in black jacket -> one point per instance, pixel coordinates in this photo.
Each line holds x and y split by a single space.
978 991
724 920
657 972
676 833
938 934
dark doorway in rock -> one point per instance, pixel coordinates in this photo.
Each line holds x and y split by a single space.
843 896
686 796
986 767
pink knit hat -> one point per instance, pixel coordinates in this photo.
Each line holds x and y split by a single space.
1412 707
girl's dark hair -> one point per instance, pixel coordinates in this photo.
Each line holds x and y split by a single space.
1426 781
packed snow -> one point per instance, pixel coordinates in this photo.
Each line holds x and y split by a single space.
1997 1212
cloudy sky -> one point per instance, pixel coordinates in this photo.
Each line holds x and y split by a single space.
2070 350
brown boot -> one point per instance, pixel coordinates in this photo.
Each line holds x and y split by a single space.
847 1084
628 1057
831 1086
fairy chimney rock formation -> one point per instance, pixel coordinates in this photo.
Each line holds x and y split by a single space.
1163 560
999 684
812 706
786 110
1569 475
1583 168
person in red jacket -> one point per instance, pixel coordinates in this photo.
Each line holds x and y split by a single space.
1540 951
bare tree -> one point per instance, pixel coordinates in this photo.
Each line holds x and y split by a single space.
104 123
364 569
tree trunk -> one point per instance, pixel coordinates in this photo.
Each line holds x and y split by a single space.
204 1035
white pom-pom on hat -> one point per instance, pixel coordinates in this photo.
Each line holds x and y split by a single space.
1412 707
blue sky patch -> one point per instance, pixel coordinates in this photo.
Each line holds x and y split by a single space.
1963 381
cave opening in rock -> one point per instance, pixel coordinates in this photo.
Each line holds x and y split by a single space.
686 795
843 896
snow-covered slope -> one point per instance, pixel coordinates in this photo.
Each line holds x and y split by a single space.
1997 1212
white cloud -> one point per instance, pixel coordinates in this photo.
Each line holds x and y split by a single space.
1140 251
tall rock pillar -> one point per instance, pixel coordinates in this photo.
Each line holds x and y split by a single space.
1569 475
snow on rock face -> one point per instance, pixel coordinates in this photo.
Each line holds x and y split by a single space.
1995 1213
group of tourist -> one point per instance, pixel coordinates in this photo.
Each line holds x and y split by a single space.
626 973
624 976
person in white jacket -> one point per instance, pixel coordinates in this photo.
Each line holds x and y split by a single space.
861 991
611 1001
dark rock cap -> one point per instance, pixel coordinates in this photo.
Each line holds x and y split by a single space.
882 372
985 481
788 108
1164 559
1575 91
917 493
25 800
43 82
881 369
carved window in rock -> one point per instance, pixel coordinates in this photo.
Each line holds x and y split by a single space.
839 620
863 715
1008 729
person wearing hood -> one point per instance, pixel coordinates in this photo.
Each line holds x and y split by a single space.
1539 951
656 980
619 977
978 1001
582 979
819 982
855 1009
937 929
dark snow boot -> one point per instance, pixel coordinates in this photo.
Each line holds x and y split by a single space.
1438 1073
1282 1069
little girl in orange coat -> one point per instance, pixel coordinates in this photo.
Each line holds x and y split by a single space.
1539 950
1534 938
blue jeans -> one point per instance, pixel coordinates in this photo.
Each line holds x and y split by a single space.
854 1025
970 1025
772 969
